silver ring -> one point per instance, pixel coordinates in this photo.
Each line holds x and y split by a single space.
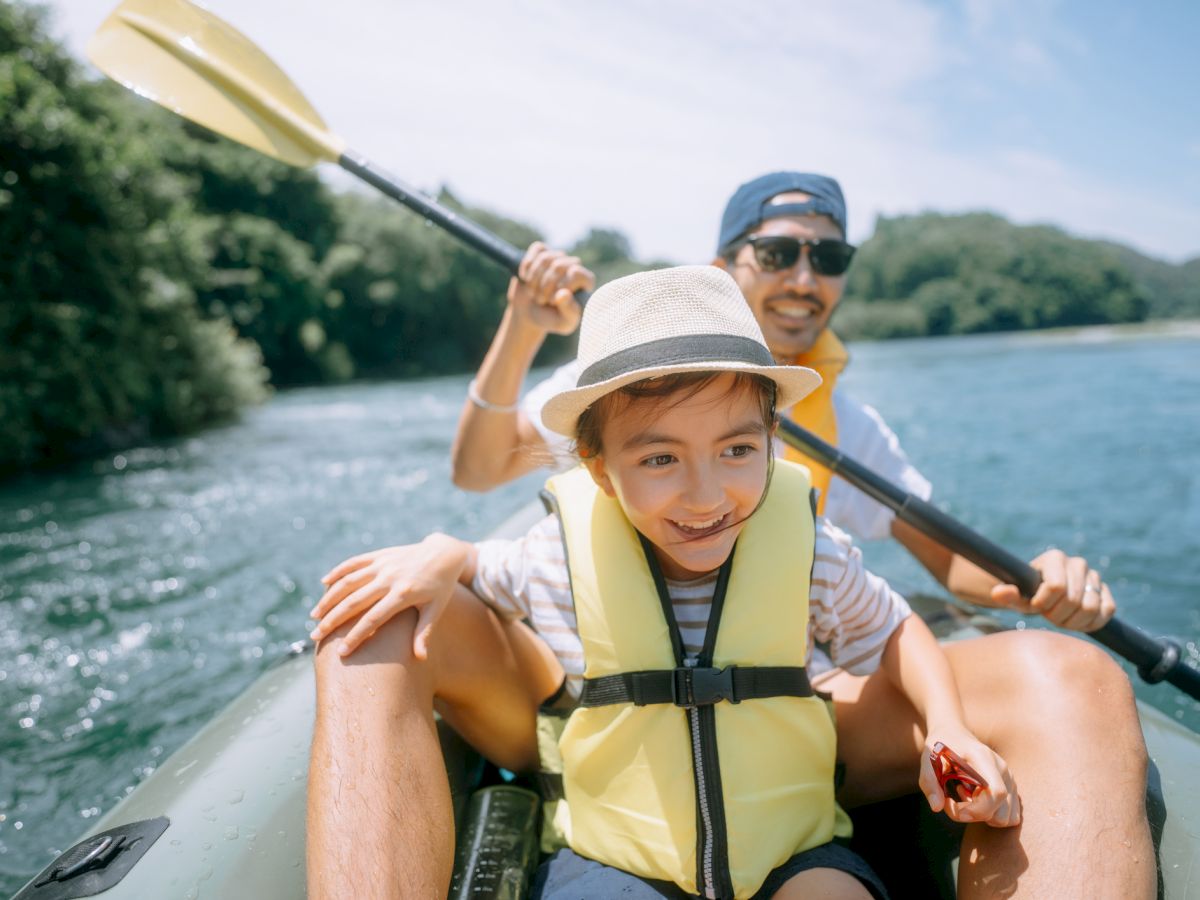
1090 587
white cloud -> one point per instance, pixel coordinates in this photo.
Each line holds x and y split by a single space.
646 116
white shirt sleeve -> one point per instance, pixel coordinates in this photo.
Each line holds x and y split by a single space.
564 378
853 612
865 437
500 578
528 579
516 577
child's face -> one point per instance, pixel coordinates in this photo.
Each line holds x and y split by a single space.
687 473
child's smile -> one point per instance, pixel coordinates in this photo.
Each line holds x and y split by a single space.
687 470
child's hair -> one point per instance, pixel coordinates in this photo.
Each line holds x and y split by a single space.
679 386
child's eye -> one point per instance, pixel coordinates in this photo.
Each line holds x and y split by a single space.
737 451
658 460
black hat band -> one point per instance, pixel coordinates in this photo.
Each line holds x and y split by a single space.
684 350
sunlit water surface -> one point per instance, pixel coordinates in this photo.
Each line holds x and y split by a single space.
141 593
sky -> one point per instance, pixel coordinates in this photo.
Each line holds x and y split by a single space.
645 117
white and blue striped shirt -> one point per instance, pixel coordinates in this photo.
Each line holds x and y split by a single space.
851 611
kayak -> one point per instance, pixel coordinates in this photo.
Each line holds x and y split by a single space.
223 817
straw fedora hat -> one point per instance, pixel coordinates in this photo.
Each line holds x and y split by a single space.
685 319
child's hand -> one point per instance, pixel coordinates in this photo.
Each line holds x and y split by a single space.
376 586
997 805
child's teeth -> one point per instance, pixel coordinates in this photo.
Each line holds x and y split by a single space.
700 526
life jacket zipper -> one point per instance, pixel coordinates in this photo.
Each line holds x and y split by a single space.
713 842
705 813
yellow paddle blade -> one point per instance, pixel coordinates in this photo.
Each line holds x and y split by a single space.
183 57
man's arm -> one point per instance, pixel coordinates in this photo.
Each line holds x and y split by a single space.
1071 594
495 442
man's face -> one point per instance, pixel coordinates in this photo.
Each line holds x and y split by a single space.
792 306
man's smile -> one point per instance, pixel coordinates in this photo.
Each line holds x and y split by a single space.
792 309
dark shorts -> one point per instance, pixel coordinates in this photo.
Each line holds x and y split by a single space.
568 876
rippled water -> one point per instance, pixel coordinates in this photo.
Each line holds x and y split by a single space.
139 594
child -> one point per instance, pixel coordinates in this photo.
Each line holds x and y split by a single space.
682 585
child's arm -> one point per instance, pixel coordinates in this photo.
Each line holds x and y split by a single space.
915 664
375 586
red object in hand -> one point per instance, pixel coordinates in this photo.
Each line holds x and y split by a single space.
957 779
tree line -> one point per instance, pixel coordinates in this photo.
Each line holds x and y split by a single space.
156 278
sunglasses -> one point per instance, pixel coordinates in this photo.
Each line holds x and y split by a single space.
958 780
777 252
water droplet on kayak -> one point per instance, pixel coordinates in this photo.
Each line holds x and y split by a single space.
231 833
236 797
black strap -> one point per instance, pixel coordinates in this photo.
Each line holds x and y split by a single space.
689 686
550 784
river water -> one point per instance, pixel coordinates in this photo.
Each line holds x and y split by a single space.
143 591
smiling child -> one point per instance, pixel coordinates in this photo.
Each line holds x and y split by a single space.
682 584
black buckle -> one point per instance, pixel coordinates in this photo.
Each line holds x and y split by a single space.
692 687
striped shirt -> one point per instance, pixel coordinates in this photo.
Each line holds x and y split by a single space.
852 612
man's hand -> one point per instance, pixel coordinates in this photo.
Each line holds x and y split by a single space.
543 293
1071 594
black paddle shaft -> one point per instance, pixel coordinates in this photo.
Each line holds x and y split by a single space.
474 236
1157 659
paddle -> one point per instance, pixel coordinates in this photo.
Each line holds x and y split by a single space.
1157 659
185 58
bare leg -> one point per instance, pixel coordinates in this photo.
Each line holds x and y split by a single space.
822 884
1062 715
380 822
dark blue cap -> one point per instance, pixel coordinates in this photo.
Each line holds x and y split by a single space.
750 204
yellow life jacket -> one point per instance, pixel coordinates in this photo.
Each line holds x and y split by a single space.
815 412
708 776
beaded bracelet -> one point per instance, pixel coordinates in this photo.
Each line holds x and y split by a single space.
473 396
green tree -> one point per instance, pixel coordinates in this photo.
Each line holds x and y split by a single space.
935 274
100 333
409 299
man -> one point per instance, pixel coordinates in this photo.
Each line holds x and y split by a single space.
499 439
1040 699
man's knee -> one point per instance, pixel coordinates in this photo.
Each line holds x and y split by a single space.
383 665
1060 668
1063 685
